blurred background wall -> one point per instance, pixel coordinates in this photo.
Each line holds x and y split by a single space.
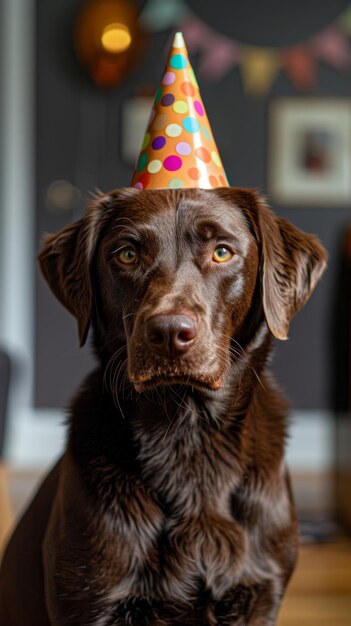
63 134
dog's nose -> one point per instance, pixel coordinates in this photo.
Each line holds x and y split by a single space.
171 334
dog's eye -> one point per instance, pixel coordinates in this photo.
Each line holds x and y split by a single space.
127 256
222 254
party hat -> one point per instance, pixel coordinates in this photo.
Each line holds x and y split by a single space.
178 148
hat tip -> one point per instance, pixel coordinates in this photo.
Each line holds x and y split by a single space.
178 41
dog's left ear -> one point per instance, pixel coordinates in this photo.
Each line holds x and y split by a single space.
292 262
65 261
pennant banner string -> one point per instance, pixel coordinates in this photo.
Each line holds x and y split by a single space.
219 54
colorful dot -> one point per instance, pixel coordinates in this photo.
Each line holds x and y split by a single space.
206 132
180 106
194 173
175 183
187 88
203 154
142 162
184 148
223 181
138 185
191 124
158 142
213 181
145 141
168 78
193 77
199 108
173 130
178 62
158 94
144 179
216 158
172 163
154 166
160 121
167 99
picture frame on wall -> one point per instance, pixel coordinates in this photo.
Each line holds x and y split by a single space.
135 116
309 151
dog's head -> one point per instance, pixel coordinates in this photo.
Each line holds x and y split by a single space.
181 277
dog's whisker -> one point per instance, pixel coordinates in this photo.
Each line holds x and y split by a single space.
111 362
124 317
182 404
115 387
241 353
168 430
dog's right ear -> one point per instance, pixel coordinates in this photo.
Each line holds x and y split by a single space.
292 262
65 262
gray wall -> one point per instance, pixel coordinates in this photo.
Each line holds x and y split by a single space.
78 131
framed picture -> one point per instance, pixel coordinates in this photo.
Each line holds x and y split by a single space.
309 153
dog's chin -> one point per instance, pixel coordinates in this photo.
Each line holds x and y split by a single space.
200 384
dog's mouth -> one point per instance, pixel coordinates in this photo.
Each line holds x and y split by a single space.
201 384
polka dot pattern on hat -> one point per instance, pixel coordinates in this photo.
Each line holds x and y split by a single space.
178 149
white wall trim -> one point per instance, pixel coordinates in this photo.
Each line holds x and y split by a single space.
36 439
310 447
17 196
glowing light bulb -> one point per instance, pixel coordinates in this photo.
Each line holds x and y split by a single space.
116 37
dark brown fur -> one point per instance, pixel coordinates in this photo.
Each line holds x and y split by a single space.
171 506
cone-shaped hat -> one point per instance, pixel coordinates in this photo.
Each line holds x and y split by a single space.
178 148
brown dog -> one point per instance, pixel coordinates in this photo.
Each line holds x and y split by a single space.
172 503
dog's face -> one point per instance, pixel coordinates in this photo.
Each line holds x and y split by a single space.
180 270
179 276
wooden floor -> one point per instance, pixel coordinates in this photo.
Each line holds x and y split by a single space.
320 591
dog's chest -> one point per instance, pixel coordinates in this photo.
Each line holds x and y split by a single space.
194 473
191 469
